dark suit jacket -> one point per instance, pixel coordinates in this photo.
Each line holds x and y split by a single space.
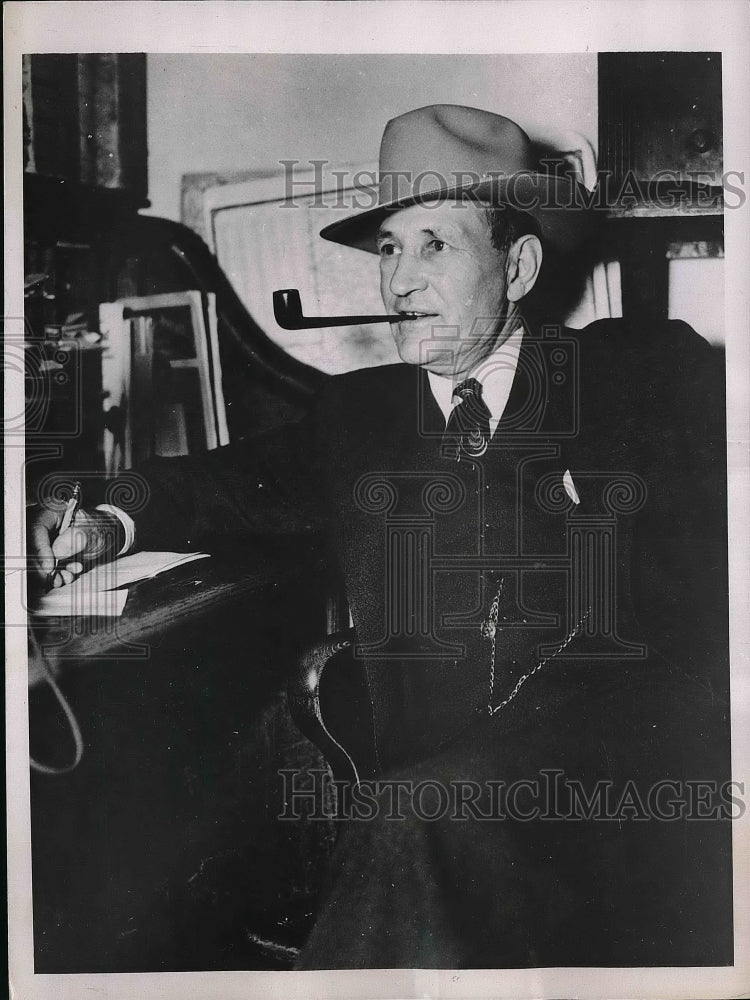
424 544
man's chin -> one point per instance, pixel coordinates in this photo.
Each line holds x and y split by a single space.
424 354
424 351
410 354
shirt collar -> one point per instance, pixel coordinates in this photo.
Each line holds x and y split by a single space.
495 372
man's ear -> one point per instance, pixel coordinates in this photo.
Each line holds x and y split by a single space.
522 268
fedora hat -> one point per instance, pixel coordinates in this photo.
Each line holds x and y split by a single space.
446 151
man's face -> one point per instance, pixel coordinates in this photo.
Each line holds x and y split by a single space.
439 270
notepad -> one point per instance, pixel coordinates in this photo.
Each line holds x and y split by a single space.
100 591
66 603
130 569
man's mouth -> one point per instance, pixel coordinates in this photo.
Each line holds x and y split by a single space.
414 314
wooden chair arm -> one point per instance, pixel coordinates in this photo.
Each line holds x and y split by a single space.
303 695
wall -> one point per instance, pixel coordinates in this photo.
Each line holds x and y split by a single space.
246 112
227 114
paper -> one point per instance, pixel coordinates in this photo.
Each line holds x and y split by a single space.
129 569
93 593
67 602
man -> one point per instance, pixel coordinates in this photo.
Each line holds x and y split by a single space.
525 522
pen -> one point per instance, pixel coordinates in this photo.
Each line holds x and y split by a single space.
71 509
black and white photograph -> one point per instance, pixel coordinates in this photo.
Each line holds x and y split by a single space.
376 484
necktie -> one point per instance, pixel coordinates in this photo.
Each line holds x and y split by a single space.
468 430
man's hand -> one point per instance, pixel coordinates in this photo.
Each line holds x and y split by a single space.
49 551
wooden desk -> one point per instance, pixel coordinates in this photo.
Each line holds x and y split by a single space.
182 598
162 850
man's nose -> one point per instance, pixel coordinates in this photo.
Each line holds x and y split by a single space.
408 276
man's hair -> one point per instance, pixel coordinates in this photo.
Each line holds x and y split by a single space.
508 225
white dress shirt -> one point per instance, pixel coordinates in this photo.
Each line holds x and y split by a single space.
495 373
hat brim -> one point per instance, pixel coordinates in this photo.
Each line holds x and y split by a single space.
557 203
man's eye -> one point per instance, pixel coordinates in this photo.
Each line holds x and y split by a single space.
437 245
387 249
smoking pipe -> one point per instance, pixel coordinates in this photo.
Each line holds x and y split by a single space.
287 311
